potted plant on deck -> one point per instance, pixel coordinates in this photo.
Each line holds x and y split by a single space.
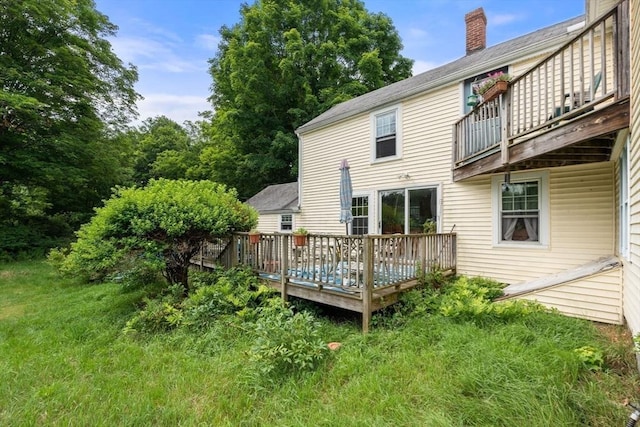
430 227
254 236
493 86
300 236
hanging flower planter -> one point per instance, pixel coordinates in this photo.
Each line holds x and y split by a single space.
499 87
300 237
254 237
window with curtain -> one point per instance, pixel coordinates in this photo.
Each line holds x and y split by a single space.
520 211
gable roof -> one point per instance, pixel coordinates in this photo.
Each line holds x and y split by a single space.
276 198
487 59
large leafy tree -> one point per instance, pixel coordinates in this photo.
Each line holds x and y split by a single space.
163 149
285 62
61 90
163 223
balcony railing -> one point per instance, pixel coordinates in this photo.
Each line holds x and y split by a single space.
590 71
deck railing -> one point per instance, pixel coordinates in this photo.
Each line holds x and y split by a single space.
590 70
341 262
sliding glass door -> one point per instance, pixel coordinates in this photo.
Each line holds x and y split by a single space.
406 210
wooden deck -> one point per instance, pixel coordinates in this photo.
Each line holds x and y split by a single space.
357 273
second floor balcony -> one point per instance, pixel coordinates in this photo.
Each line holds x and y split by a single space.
565 110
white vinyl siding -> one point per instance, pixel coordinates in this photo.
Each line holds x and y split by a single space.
632 268
623 209
597 298
269 223
581 225
426 134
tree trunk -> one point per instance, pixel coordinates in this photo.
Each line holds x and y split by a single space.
178 258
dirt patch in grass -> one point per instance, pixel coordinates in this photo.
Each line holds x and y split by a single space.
12 311
616 334
6 275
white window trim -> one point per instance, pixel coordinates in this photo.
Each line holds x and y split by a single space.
372 118
370 217
378 203
543 192
280 224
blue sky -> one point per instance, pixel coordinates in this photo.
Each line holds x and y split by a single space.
170 41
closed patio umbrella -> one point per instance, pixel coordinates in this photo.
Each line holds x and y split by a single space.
346 194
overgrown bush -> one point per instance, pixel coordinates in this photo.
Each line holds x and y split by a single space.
236 291
287 342
160 314
162 224
465 298
471 299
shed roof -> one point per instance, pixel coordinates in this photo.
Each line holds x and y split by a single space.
458 70
276 198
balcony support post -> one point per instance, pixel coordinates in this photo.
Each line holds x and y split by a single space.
504 128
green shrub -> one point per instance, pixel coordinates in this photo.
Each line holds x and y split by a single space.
236 291
286 342
162 224
471 299
160 314
465 298
591 357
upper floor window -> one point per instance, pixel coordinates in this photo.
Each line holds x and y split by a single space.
386 136
286 222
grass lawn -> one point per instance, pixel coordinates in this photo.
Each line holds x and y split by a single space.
64 360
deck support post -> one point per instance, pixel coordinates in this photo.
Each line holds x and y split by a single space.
284 267
367 285
424 250
234 250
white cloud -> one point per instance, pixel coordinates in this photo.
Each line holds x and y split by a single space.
151 54
422 66
150 28
208 41
176 107
503 19
418 33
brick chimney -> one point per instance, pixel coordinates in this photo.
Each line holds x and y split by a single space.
476 30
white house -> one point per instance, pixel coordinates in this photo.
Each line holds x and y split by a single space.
541 184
